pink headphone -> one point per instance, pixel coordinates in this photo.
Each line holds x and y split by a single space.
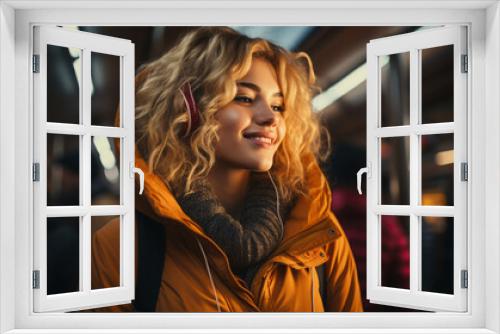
193 111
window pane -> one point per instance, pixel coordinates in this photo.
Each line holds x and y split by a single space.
63 84
437 169
395 178
437 84
437 254
105 169
395 89
108 228
63 170
106 88
63 260
395 251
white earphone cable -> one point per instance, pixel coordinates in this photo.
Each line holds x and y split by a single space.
209 275
277 197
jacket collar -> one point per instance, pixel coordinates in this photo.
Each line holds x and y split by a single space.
310 223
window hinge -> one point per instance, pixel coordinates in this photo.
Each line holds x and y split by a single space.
465 64
464 279
36 172
36 63
36 279
464 171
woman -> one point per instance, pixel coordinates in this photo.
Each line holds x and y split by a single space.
227 140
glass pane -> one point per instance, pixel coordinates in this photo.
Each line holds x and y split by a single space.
437 169
63 170
105 169
63 84
63 250
395 251
106 88
395 178
437 84
437 254
105 228
395 89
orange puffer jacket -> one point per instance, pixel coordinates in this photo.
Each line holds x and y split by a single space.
197 276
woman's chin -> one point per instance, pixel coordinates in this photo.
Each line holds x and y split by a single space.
263 166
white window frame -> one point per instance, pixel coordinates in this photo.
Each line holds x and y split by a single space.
88 43
16 19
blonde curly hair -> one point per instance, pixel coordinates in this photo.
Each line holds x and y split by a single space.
211 59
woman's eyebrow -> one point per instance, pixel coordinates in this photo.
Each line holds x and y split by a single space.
254 87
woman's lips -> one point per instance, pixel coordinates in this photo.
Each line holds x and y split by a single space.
261 138
263 142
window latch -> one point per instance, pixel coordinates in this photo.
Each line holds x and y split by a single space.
360 173
134 170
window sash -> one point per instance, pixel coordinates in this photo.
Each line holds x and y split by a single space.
85 297
414 297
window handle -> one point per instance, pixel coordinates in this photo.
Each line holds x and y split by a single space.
360 173
134 170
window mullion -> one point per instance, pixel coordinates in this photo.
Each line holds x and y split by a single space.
373 270
85 176
415 244
127 104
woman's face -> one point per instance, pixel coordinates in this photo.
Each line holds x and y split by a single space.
252 125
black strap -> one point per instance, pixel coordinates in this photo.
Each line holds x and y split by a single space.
151 259
322 286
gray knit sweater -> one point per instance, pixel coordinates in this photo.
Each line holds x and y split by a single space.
248 241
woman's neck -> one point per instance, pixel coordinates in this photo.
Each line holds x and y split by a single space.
230 185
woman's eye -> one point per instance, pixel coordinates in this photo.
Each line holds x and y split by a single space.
278 108
244 99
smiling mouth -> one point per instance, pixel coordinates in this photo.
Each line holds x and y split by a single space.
260 141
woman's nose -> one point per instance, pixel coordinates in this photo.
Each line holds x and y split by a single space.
265 115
